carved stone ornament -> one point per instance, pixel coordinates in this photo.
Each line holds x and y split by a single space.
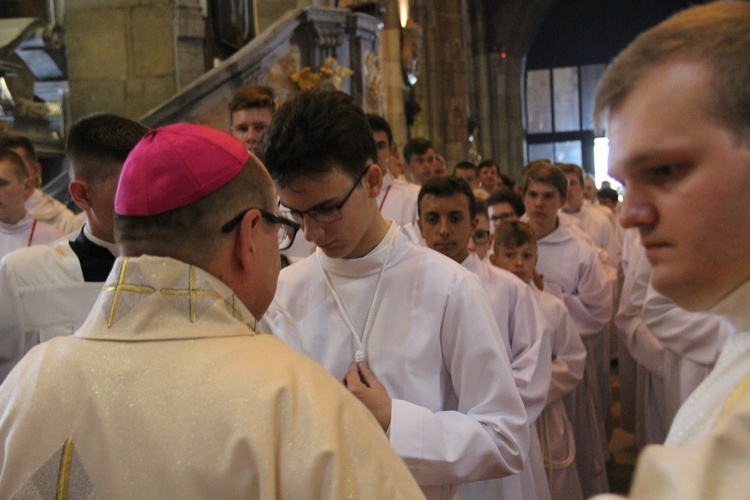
287 78
374 84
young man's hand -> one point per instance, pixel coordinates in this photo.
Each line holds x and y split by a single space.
362 383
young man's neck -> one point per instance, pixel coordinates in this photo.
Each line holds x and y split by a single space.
572 209
15 217
375 233
545 228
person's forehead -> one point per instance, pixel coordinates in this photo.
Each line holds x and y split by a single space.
541 187
501 207
380 136
252 115
457 202
572 177
679 90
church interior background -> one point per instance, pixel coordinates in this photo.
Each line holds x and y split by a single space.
511 80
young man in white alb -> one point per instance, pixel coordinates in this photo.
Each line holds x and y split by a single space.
407 330
447 220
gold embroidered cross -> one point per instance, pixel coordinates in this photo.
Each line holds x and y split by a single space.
123 287
193 293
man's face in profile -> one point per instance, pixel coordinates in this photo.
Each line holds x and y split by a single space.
687 178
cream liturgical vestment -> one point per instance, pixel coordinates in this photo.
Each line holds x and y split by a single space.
168 392
456 416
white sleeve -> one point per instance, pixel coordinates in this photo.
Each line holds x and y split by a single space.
568 351
590 305
11 321
637 336
530 352
696 336
486 435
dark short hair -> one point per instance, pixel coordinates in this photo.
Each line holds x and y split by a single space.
465 165
607 193
507 181
12 140
379 124
252 97
513 234
16 162
489 163
416 146
446 187
101 136
314 133
505 195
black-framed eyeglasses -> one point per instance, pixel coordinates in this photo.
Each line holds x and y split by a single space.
287 229
480 237
322 214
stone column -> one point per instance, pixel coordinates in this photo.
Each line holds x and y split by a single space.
390 60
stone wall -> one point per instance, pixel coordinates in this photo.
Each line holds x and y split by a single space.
126 56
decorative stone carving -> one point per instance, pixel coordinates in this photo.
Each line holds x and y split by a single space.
375 96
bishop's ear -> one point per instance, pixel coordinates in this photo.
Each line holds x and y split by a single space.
247 238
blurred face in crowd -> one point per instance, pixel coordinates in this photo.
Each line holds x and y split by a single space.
249 124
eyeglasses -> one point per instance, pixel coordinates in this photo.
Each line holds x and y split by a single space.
481 237
322 214
286 232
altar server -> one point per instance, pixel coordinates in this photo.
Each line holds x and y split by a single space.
408 330
447 219
47 291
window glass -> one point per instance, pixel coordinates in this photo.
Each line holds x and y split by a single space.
566 102
538 103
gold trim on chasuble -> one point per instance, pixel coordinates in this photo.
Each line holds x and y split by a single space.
191 292
123 287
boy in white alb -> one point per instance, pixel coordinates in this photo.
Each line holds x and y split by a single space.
407 330
515 251
40 205
18 229
397 200
574 273
447 219
48 291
